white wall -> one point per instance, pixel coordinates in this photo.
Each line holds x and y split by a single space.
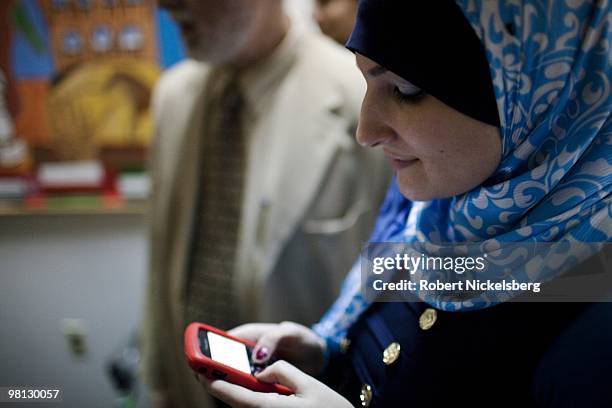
55 267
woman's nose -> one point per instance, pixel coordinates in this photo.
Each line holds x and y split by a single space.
371 129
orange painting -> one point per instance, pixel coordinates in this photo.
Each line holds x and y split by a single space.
31 121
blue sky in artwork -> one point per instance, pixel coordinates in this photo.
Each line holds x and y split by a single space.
28 63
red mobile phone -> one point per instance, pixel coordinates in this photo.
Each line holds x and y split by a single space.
217 354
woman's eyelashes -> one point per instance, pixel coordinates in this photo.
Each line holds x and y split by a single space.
411 96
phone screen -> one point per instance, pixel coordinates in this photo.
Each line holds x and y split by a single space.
229 352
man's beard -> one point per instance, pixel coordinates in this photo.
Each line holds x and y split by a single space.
220 42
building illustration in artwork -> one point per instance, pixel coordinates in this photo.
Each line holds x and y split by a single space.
85 30
106 63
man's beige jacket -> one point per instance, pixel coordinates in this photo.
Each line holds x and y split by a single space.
311 196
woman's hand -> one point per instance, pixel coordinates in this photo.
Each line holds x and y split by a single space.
287 341
309 393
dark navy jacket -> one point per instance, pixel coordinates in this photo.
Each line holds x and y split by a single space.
513 354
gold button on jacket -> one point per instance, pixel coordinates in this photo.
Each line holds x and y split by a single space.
366 395
428 318
391 353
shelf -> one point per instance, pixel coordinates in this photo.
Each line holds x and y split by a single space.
12 208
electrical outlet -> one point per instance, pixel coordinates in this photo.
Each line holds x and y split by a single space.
75 333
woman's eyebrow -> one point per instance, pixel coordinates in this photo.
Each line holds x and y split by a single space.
377 71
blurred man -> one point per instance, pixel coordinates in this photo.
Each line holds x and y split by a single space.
261 197
336 18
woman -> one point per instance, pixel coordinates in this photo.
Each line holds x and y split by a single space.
498 126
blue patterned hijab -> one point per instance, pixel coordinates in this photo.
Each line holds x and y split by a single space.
552 82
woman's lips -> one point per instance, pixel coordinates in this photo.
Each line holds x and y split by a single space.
398 164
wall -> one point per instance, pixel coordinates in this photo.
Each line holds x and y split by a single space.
55 267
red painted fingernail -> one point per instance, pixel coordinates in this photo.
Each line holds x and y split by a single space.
262 353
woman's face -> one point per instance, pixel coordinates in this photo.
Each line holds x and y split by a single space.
436 151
